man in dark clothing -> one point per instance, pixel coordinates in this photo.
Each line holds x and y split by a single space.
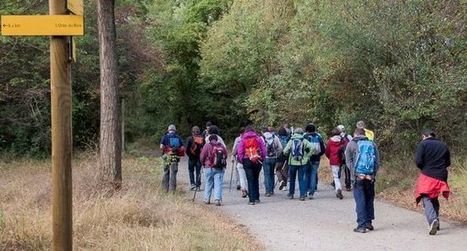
195 144
311 174
432 158
172 147
362 157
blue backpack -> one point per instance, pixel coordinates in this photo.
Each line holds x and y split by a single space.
174 142
366 159
284 139
315 140
297 149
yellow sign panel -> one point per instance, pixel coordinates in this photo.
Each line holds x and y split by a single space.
50 25
75 6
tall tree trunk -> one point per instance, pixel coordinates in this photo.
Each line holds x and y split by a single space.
110 147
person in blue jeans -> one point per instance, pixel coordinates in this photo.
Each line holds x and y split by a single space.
214 174
273 149
362 157
299 151
311 178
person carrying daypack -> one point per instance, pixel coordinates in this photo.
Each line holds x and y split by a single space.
311 178
273 150
333 152
362 157
214 130
240 171
282 169
299 151
172 148
345 140
214 158
195 144
251 152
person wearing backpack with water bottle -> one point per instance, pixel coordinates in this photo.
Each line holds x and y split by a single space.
362 157
311 177
194 145
299 151
172 148
273 149
251 152
214 158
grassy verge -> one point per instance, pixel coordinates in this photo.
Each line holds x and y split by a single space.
396 183
139 217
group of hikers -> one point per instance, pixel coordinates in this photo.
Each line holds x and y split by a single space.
293 155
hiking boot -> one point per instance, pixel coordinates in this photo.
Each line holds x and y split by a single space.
198 189
251 203
218 202
239 187
369 226
310 197
282 185
302 198
434 227
244 193
359 230
290 196
339 194
207 202
193 186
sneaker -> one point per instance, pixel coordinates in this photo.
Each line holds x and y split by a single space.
282 185
251 203
198 189
207 202
369 226
339 194
434 227
244 194
257 201
268 195
218 202
290 196
302 198
348 189
193 187
359 230
239 187
310 197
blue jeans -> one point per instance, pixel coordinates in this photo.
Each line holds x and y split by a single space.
431 209
364 195
214 179
301 179
311 178
269 165
194 165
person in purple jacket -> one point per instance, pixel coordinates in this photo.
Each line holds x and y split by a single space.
251 152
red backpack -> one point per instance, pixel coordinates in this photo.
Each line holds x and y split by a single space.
198 142
252 149
218 157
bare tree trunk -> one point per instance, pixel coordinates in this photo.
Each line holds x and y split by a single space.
110 147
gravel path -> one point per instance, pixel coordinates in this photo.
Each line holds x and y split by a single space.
326 223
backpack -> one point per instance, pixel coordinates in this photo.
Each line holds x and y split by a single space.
197 144
283 139
345 140
219 158
366 159
252 149
297 149
315 142
270 145
174 142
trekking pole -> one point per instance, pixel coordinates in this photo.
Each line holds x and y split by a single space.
197 188
231 173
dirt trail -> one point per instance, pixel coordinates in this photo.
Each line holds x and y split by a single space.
326 223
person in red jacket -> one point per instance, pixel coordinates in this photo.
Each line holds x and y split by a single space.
333 152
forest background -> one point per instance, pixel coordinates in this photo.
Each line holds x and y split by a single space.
398 65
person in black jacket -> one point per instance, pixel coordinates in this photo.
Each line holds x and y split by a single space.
194 146
311 173
432 158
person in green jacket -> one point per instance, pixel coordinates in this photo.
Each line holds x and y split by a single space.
299 151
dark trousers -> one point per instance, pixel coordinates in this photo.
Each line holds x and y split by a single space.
252 171
346 170
194 165
364 195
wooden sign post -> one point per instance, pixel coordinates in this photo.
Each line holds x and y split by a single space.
60 26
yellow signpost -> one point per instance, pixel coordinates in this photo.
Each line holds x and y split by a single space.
47 25
75 6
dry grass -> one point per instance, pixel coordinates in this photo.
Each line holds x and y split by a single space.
396 183
139 217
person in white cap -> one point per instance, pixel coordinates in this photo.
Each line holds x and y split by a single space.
172 148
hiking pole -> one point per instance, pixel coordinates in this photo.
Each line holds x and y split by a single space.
197 188
231 174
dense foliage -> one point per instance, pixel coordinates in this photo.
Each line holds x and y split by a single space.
398 65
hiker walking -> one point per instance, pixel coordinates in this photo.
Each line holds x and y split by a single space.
333 150
282 169
300 151
311 178
432 158
362 158
345 140
205 131
172 148
273 150
214 130
214 158
240 171
251 152
194 145
368 133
